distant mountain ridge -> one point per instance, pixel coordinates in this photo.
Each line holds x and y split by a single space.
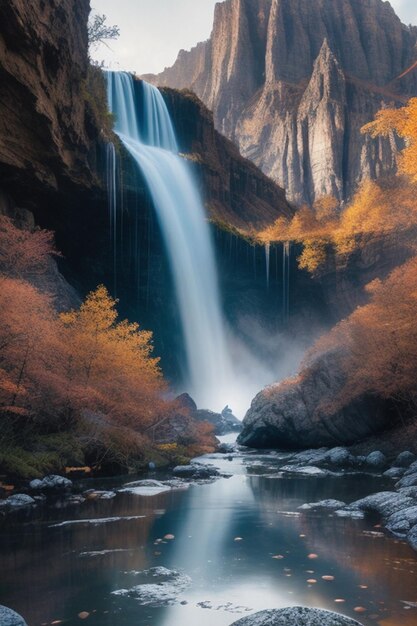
293 81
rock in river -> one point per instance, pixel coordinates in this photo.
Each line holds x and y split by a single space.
296 616
10 618
51 483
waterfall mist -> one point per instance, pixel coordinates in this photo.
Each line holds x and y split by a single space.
220 368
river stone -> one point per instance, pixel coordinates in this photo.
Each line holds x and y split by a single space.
404 459
394 472
409 492
196 471
51 482
376 459
18 500
330 505
308 470
341 457
296 616
164 589
409 480
10 618
412 537
401 522
385 503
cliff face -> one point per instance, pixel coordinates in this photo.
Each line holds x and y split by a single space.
292 82
236 192
45 131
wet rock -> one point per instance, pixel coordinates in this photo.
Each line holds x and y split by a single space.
412 537
164 589
350 513
51 483
376 460
308 470
408 492
400 523
405 459
196 471
285 415
394 472
10 618
408 480
17 501
296 616
341 457
331 505
224 423
385 503
311 457
93 494
145 488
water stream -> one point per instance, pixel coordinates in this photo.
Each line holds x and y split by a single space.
241 540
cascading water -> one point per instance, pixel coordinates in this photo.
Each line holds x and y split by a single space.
112 201
286 256
185 230
267 262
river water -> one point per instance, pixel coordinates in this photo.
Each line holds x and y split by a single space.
241 540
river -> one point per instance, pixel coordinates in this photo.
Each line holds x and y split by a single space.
241 540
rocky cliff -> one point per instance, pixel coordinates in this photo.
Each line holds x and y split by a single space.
292 82
236 192
46 129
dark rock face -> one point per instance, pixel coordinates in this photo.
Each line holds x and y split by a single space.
296 616
236 192
293 82
44 138
290 415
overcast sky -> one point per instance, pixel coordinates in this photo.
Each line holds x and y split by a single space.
153 31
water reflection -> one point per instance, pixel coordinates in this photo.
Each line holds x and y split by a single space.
54 573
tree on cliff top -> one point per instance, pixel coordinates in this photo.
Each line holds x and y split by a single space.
100 32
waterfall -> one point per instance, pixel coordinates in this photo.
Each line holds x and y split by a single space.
286 250
267 262
111 170
185 230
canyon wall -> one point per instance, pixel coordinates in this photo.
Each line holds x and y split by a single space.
292 83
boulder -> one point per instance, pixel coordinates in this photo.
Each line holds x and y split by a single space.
296 616
296 414
412 537
17 501
51 483
341 457
376 460
408 492
394 472
401 522
10 618
385 503
223 423
408 480
404 459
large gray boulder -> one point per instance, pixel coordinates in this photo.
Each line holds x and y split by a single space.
293 414
10 618
296 616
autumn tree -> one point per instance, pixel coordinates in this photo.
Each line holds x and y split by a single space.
109 363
